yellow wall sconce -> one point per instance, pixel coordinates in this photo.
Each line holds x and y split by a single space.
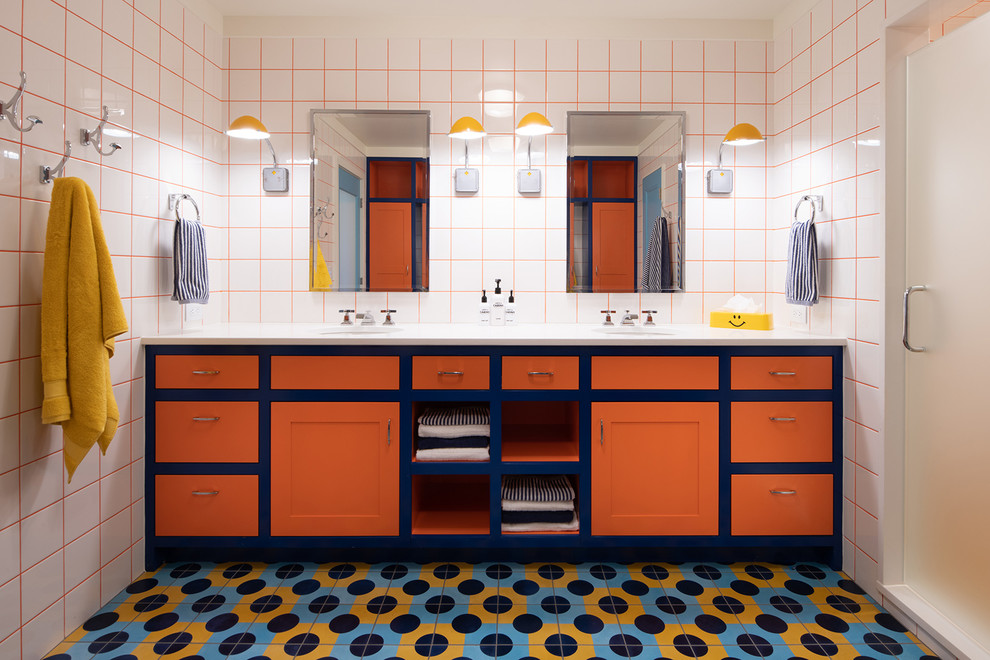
529 180
246 127
467 179
719 179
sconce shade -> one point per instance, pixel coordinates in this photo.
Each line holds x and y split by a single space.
249 128
743 134
534 124
467 128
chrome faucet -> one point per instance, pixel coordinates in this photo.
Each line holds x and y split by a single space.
649 316
388 316
347 316
608 316
628 318
367 318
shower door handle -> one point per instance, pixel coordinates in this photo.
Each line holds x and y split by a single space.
904 335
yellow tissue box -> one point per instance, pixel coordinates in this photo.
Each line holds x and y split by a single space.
741 321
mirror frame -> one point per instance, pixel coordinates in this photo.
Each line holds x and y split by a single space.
678 263
313 114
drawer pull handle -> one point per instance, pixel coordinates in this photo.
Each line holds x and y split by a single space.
206 372
541 373
783 419
783 373
450 373
206 419
601 432
206 492
783 492
388 433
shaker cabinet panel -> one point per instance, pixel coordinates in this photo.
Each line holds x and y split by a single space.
335 469
654 469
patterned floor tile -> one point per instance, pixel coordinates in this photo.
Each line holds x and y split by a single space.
500 610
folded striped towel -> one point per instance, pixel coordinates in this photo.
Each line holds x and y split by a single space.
509 505
531 528
463 416
801 281
452 454
522 517
464 442
533 488
191 277
462 431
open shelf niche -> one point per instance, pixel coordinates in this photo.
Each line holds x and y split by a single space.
573 479
540 431
450 504
418 407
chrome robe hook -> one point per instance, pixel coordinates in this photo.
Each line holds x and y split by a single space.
48 174
9 109
95 136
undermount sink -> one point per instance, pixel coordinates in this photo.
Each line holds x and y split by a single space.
361 330
633 330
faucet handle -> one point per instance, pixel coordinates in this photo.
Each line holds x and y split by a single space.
649 316
347 316
388 316
608 316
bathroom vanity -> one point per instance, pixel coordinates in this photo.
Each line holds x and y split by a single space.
298 441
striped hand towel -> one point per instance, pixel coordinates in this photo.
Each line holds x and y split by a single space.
525 488
191 278
656 275
801 282
465 415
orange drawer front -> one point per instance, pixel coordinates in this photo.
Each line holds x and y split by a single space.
206 372
540 373
782 373
206 431
206 505
654 373
335 372
450 372
781 504
781 431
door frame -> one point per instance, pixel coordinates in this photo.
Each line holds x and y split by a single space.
905 32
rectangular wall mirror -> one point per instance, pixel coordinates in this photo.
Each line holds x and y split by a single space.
625 201
369 200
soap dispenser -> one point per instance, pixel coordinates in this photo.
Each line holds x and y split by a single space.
498 304
510 310
484 310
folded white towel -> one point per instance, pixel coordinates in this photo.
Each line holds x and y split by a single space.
542 527
452 454
509 505
459 431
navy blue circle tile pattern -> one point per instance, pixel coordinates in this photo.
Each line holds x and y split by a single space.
242 611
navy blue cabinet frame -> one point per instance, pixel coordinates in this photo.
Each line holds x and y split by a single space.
476 547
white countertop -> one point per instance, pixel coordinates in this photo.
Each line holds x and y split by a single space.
464 334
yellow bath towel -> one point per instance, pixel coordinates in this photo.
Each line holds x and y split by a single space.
81 313
321 274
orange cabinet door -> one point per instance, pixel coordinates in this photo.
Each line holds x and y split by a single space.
390 254
335 469
614 259
654 469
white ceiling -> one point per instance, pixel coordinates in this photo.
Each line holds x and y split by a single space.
765 10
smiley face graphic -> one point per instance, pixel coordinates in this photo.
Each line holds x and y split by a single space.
733 320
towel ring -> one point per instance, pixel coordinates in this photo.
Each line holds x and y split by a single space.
817 202
177 200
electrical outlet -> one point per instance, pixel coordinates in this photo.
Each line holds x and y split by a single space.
799 315
193 312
